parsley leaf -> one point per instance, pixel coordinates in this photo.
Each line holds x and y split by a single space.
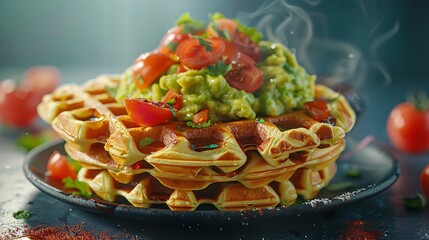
189 25
82 187
145 141
416 201
29 141
205 44
210 146
225 34
252 33
23 214
203 125
172 46
219 68
261 120
75 164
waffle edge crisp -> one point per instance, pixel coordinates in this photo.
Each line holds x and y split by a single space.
254 164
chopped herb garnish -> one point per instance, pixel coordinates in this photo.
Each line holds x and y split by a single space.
299 200
112 91
171 101
222 33
353 172
145 141
261 120
171 110
252 33
340 186
83 188
180 128
23 214
417 201
189 25
172 46
210 146
75 164
219 68
290 70
29 141
203 125
205 44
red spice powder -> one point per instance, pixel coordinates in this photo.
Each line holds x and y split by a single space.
358 229
77 232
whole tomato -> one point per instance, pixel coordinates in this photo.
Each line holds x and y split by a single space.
424 181
408 127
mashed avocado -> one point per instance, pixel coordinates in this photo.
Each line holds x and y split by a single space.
286 86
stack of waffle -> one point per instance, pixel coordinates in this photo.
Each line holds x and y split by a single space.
233 166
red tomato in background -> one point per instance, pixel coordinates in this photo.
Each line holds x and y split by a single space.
195 56
244 75
408 128
41 79
147 113
149 67
424 181
17 106
59 168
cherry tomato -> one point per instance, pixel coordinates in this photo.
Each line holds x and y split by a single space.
242 43
172 39
193 55
201 117
424 181
147 113
244 75
59 168
17 106
318 109
176 97
217 28
41 79
149 67
408 128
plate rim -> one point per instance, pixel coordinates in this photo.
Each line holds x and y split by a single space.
131 212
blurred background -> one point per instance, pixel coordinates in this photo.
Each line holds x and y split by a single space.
372 45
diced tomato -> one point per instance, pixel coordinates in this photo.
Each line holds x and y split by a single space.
149 67
175 97
59 168
196 56
148 113
318 109
201 117
244 75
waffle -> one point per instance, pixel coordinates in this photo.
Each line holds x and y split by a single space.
254 163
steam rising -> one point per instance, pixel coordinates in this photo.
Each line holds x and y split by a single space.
326 57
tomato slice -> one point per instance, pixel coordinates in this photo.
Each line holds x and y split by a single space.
172 39
196 56
219 26
318 109
242 43
149 67
244 75
59 168
201 117
177 99
148 113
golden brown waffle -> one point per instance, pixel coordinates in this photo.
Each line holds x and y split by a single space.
248 154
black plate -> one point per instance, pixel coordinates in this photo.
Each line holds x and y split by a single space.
378 170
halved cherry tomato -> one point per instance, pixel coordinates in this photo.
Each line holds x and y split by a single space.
408 128
148 113
244 75
318 109
201 117
17 106
242 43
217 28
41 79
196 56
175 97
59 168
149 67
424 180
172 39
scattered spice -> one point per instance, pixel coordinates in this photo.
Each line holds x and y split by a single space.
23 214
359 229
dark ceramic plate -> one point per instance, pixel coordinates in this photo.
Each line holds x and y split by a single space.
376 167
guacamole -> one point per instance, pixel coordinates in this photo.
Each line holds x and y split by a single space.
286 86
